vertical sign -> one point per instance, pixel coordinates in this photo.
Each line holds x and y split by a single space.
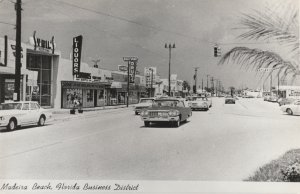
77 46
132 68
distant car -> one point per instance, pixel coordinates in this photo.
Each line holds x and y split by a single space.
266 98
229 99
200 103
166 110
273 99
292 109
15 114
158 95
284 101
144 103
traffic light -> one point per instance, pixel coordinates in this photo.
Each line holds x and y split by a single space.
216 50
219 52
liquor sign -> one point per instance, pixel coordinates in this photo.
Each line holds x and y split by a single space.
132 62
83 75
77 46
42 45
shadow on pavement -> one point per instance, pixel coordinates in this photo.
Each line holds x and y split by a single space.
163 125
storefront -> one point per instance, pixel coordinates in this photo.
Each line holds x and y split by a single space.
87 93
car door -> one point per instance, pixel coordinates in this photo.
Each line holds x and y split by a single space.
34 112
26 113
296 107
183 110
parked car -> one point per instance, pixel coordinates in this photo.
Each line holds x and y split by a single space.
273 99
166 110
284 101
15 114
200 103
144 103
266 98
229 99
292 109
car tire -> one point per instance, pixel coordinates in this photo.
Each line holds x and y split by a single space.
12 125
147 123
136 113
42 121
289 111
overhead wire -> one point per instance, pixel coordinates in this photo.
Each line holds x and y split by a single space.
108 33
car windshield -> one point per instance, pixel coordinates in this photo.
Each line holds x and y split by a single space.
200 99
11 106
146 101
165 103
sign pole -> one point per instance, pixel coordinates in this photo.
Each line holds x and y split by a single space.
128 83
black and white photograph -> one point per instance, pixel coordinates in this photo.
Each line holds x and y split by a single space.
149 96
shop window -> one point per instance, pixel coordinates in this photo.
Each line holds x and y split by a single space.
101 95
121 98
73 96
90 95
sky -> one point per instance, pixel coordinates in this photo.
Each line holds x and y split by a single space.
112 29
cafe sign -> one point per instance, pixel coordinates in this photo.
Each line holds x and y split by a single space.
42 45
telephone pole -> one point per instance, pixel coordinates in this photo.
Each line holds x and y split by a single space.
207 83
212 84
195 77
18 52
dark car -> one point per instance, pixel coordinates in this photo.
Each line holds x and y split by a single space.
166 110
229 99
285 101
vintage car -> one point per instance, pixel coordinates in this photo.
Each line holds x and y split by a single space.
229 99
200 103
292 109
284 101
273 99
144 103
166 110
15 114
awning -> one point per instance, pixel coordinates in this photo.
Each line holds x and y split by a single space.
83 85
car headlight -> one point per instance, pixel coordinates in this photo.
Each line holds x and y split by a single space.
145 113
173 113
2 118
205 104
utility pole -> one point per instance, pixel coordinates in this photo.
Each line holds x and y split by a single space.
217 87
212 85
18 52
170 47
207 83
195 76
202 84
151 81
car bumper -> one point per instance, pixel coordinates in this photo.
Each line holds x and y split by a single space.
157 119
3 123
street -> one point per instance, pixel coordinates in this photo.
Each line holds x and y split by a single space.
227 143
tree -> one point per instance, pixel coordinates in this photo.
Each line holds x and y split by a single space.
283 28
186 85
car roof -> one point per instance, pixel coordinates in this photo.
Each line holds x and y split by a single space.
170 99
19 102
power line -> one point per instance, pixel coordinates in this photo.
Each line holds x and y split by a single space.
110 34
7 23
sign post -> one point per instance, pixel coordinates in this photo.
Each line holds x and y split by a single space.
132 62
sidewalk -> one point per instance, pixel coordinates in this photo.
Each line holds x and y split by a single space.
64 114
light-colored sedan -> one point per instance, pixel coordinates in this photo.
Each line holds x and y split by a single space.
292 109
200 103
15 114
144 103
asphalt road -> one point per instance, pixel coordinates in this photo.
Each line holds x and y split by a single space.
227 143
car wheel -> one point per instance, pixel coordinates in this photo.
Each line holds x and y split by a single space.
289 111
41 121
12 125
136 113
147 123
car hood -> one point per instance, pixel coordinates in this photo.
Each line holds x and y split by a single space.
162 108
10 112
143 104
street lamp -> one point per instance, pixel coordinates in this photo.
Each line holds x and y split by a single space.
170 47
